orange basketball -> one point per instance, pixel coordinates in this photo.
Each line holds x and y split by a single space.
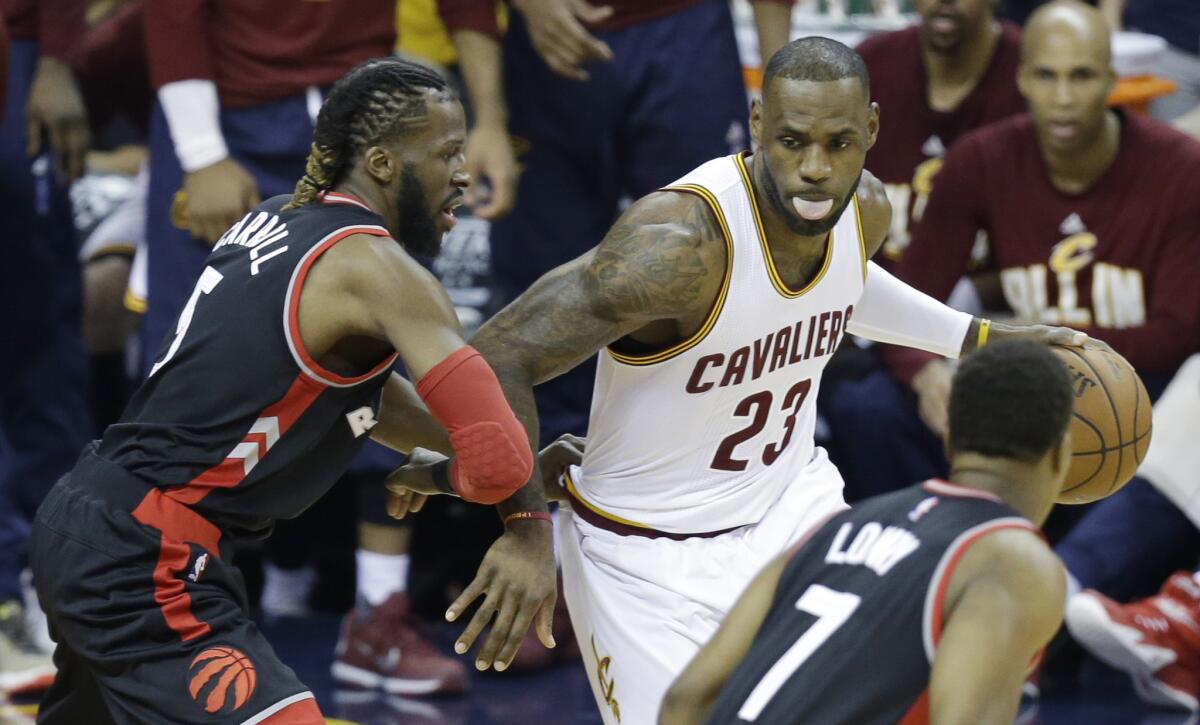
1110 429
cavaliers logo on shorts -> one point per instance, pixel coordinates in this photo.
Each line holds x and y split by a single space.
221 679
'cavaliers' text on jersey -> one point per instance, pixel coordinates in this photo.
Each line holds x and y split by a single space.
705 435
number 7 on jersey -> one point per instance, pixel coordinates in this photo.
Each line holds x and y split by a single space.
832 609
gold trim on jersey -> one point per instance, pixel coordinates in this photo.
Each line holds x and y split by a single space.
862 241
777 281
133 303
611 517
714 313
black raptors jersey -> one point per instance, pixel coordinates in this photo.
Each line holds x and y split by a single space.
856 619
236 419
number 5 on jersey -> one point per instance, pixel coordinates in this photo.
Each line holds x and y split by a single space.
208 281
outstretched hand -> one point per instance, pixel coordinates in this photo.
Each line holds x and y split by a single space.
518 580
410 485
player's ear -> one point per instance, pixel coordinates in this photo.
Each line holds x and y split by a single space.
381 164
755 123
872 124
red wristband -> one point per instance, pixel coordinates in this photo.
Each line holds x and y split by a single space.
539 515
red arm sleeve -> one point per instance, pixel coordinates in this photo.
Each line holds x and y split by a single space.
1172 329
176 41
940 250
492 454
60 26
477 15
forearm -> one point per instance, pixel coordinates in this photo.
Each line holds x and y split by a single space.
773 20
681 708
481 63
518 389
405 422
892 312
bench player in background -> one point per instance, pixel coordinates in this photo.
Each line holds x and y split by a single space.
268 387
44 416
715 304
929 603
934 82
1088 227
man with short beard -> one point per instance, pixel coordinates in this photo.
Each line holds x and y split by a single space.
934 82
715 304
952 73
1092 222
278 369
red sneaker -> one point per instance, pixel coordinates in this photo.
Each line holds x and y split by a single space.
387 649
1155 640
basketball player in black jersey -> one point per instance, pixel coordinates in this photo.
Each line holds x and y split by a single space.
278 369
926 605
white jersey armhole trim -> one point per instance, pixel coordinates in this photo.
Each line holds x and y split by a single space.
940 581
291 308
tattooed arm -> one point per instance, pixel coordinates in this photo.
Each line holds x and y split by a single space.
654 277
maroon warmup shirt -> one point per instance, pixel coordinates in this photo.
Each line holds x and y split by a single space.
56 25
259 51
480 15
913 137
1120 261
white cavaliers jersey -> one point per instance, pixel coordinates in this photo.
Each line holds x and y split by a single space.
705 435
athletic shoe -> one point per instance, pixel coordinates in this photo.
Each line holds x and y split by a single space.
22 665
1155 640
387 649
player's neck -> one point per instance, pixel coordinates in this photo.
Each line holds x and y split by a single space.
368 193
1075 172
1015 482
952 76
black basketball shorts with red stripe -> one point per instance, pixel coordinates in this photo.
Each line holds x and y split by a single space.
150 626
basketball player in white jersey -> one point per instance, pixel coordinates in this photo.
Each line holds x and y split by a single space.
715 304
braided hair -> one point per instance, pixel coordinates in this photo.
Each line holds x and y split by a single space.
371 105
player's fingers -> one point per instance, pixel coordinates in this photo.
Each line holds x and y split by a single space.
33 130
516 635
583 45
475 627
502 631
591 13
561 62
503 197
477 586
393 506
545 621
417 503
58 148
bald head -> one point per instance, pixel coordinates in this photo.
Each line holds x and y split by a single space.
1068 22
1066 75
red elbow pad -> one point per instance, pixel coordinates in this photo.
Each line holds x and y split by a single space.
492 453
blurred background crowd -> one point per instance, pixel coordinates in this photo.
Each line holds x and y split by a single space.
135 132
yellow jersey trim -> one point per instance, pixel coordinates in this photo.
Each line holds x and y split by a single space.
777 281
714 313
862 241
611 517
133 303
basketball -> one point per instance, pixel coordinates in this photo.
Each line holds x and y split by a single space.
1110 428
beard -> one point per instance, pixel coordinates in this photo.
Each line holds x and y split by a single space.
418 229
798 225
